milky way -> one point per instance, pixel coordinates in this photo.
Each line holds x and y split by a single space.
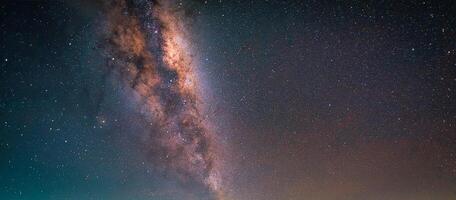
148 44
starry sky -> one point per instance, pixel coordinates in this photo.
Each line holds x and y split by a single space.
228 100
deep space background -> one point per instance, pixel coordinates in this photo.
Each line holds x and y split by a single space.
312 100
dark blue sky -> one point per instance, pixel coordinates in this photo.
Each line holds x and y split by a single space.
313 100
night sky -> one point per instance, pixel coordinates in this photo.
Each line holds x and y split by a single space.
228 100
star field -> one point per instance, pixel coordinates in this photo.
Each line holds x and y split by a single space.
228 100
